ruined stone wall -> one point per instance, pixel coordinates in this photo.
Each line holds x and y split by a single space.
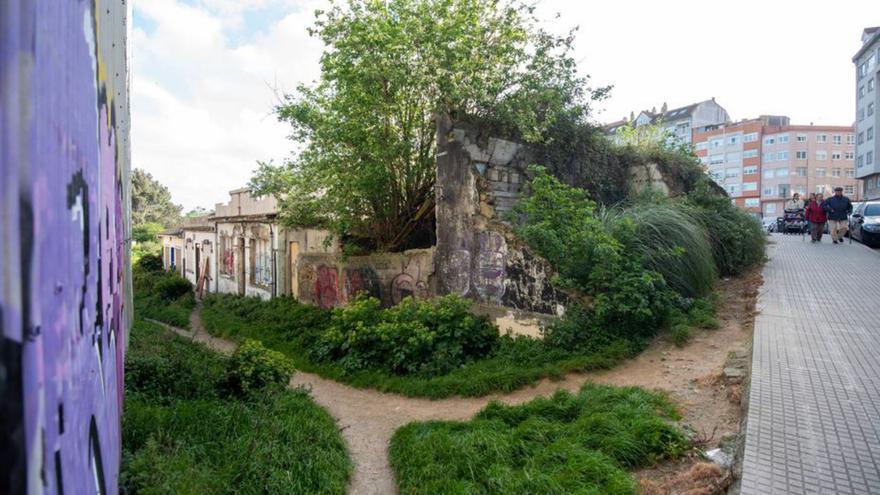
65 278
479 179
331 280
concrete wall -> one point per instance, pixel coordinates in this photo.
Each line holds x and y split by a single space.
330 280
245 261
65 284
172 252
476 255
200 244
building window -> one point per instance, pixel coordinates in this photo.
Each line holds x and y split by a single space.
860 161
870 85
770 208
869 158
768 173
752 202
861 137
731 173
716 143
768 191
716 159
769 140
820 172
801 171
835 155
733 140
226 256
849 155
861 114
800 155
835 172
732 189
850 139
861 92
733 157
750 186
701 145
800 189
849 189
769 157
836 139
750 138
782 172
261 263
782 155
802 138
870 133
783 138
870 108
821 138
821 155
750 153
850 173
750 170
783 190
820 189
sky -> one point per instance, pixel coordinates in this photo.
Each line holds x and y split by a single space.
206 74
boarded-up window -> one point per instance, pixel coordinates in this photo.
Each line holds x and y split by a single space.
261 263
226 256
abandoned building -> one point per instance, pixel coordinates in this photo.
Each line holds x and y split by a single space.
243 248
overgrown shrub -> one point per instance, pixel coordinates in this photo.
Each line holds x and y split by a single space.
413 337
668 240
161 295
253 367
582 443
737 239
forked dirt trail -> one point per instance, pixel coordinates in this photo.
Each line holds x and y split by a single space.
367 419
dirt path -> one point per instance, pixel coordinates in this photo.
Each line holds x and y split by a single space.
367 418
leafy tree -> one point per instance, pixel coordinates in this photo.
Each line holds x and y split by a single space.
198 211
367 167
151 201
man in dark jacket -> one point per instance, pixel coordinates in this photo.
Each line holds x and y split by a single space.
838 208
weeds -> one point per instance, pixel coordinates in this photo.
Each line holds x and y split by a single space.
184 432
568 443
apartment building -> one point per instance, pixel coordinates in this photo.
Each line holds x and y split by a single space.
679 122
867 63
806 159
762 162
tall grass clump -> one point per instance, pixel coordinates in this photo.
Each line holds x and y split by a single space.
161 295
185 431
669 241
583 443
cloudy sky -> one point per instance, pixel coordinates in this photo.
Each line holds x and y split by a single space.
206 72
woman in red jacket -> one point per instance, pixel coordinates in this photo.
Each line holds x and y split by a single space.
817 218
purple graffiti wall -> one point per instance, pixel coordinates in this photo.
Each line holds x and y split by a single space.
65 294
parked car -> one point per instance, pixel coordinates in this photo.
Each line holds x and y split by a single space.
864 224
769 224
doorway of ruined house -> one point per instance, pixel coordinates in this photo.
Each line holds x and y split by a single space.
241 267
293 278
198 263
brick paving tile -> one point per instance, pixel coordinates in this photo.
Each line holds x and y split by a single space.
814 405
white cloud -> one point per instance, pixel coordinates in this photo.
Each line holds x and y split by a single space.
203 72
202 105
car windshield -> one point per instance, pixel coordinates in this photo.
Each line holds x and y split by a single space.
872 210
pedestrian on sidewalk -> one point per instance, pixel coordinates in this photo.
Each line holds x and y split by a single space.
816 216
838 208
807 202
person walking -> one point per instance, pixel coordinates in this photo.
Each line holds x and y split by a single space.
838 208
807 223
816 216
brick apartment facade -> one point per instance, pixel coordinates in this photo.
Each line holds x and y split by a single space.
762 162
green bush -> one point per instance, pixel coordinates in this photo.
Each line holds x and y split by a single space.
253 368
150 262
183 434
737 239
414 337
568 443
293 328
161 295
700 314
669 241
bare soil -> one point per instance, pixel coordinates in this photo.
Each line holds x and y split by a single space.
691 375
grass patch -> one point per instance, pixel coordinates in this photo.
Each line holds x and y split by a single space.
700 315
567 443
184 431
161 295
292 328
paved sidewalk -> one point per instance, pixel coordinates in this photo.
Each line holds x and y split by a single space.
814 413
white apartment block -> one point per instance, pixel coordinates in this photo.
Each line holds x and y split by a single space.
867 63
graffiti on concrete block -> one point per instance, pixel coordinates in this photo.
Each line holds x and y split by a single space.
488 278
458 272
65 297
327 287
362 280
409 283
